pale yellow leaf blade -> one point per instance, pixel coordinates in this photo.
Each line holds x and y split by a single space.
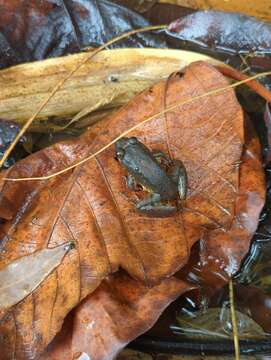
22 276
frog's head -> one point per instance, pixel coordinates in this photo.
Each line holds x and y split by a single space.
122 144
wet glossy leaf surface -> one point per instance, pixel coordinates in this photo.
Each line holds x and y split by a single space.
214 33
8 131
260 9
216 323
32 30
217 30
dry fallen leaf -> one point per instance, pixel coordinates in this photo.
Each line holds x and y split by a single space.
206 134
109 80
117 312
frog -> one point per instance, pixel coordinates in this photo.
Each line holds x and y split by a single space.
163 178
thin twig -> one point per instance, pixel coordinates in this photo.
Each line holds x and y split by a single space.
234 322
126 132
61 83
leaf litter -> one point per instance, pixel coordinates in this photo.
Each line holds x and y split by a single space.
144 254
38 223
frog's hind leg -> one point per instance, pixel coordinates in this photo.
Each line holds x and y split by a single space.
149 201
152 206
161 156
130 200
159 210
178 174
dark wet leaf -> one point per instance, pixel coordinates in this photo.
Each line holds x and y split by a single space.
218 30
33 30
163 13
255 301
8 131
240 39
216 323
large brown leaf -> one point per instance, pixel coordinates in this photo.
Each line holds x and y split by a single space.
221 253
117 312
90 207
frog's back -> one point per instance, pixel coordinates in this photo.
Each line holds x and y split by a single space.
141 163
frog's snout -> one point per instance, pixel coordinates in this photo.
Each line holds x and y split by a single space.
120 148
120 154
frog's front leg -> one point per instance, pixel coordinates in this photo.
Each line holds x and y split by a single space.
131 183
152 206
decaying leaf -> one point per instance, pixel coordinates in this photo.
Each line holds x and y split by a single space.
216 323
122 307
109 233
21 277
111 79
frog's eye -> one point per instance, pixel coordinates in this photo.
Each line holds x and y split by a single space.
133 140
120 154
